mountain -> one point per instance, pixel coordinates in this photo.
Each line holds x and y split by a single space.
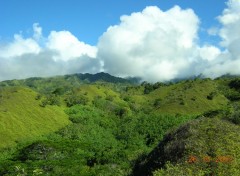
105 77
78 78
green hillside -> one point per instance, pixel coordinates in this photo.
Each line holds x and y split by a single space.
104 125
186 97
201 147
21 117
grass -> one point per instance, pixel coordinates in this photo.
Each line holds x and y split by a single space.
21 117
91 91
188 97
136 115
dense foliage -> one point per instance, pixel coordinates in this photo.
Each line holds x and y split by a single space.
97 142
102 125
206 146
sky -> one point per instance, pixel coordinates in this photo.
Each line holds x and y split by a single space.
157 40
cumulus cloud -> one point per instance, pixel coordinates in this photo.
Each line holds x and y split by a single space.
162 45
61 53
209 52
19 47
230 19
68 46
43 64
228 62
152 44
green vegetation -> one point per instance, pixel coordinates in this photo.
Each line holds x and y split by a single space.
204 147
22 118
87 124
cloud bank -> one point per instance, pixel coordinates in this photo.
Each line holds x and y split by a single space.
60 53
228 62
153 44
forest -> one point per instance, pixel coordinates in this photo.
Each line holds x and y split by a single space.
98 124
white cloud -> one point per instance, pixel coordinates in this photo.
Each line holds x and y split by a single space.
223 66
209 53
43 64
37 31
61 53
162 45
152 44
68 46
213 31
230 19
228 61
19 47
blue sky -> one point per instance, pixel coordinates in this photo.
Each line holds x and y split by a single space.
157 40
88 19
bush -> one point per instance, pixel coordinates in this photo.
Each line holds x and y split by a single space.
109 98
157 102
38 97
122 111
235 117
212 95
50 100
235 84
72 100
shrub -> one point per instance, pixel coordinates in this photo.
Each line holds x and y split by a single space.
38 97
211 95
235 117
157 102
109 98
50 100
72 100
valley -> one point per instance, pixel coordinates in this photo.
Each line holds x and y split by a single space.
84 124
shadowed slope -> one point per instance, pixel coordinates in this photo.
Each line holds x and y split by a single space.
207 146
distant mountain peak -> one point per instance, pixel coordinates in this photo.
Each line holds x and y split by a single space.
102 76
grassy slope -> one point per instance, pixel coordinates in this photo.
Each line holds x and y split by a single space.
21 117
192 98
91 91
183 98
17 107
26 119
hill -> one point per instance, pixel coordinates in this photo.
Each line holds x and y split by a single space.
201 147
105 77
69 80
185 97
104 125
22 118
188 97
